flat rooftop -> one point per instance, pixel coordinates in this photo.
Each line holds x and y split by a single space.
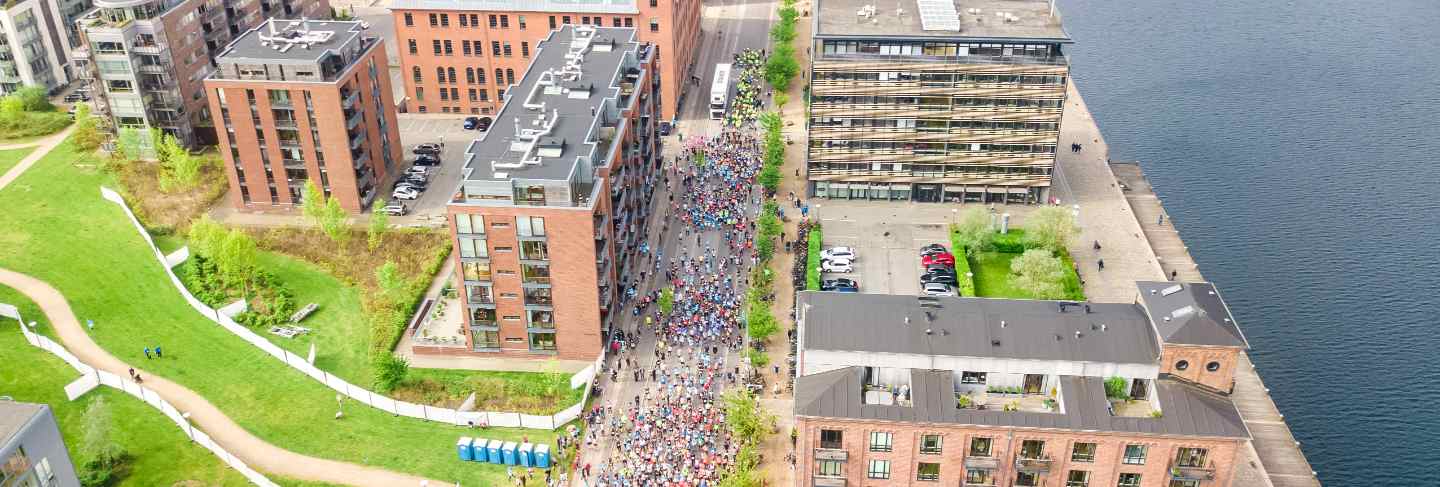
969 19
14 416
1188 410
555 102
978 327
521 6
291 40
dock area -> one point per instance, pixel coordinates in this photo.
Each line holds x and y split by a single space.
1117 207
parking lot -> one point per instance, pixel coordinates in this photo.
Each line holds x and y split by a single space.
887 237
447 129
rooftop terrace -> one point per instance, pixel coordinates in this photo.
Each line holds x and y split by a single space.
999 20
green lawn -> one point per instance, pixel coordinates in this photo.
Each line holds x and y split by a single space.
9 158
161 455
525 392
59 229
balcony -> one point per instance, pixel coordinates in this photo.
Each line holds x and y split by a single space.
286 123
828 482
153 69
989 463
1038 464
1185 473
831 454
354 120
349 98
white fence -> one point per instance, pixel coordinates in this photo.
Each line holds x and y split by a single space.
358 393
92 377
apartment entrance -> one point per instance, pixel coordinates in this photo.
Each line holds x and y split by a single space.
928 193
1138 390
1034 384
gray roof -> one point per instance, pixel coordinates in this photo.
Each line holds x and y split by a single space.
1031 20
522 6
248 46
1190 313
971 327
1188 411
575 116
14 416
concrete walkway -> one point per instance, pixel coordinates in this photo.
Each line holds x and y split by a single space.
42 147
252 450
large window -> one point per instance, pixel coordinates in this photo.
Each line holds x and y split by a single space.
473 248
832 439
479 294
1027 479
482 317
530 226
1032 449
928 471
542 319
1129 480
881 441
535 273
979 476
1134 455
931 444
542 341
972 377
1083 452
484 339
1078 478
16 465
1191 457
466 223
538 296
534 250
879 469
475 271
830 468
980 447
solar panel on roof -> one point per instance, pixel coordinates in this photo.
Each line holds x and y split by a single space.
938 15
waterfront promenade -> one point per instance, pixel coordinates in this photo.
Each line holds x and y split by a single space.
1120 209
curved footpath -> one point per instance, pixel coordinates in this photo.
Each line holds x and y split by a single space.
42 147
239 442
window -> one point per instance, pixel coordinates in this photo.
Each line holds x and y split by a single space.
531 226
535 273
520 21
879 469
485 338
495 47
534 250
1032 449
1134 455
510 75
615 21
980 447
830 468
409 20
972 377
1182 365
480 76
414 48
540 296
524 49
475 20
435 44
450 74
444 20
565 19
434 20
494 21
585 20
1083 452
1027 479
539 318
449 48
479 294
508 52
420 96
654 24
1212 366
464 21
928 471
1078 478
1191 457
473 248
475 271
440 75
504 21
1129 480
831 439
979 476
629 22
881 441
542 341
552 21
415 72
930 444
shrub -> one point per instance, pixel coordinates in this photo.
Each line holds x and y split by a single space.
758 359
812 259
390 370
1115 387
972 231
963 272
1050 227
1039 273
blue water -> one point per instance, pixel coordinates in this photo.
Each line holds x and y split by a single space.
1296 145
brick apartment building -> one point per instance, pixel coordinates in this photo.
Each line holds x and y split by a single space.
552 193
305 100
900 390
459 58
147 61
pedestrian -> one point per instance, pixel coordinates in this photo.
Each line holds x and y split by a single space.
158 353
1173 274
147 353
1097 245
1101 264
132 373
1162 220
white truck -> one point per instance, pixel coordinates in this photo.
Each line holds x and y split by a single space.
720 92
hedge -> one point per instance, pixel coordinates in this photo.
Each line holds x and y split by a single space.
962 267
812 260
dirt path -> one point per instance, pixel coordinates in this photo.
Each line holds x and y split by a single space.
42 147
252 450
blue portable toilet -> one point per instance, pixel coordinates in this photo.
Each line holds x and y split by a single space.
494 449
542 455
508 450
463 446
526 455
479 452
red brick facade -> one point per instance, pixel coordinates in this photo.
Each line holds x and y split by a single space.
1198 361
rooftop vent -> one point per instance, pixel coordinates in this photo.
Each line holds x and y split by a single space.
994 343
1171 290
296 33
1002 323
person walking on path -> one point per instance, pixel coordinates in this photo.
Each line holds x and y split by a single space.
1101 264
147 353
158 353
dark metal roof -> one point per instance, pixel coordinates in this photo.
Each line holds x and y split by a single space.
1188 411
1190 313
972 327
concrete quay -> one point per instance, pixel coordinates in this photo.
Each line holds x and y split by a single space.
1119 208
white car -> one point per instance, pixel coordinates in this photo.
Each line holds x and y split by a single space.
834 253
394 210
405 193
837 265
938 289
418 170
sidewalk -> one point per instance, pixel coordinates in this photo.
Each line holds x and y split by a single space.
252 450
42 148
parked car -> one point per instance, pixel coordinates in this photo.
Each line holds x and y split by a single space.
938 289
940 269
411 185
427 160
945 258
420 170
431 149
833 253
477 123
933 249
837 265
940 277
831 284
395 210
847 289
77 97
405 193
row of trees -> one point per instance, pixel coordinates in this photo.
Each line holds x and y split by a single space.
774 157
749 426
783 66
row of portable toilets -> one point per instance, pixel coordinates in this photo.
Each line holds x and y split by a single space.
504 452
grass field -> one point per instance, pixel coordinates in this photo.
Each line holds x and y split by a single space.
60 230
160 453
993 277
9 158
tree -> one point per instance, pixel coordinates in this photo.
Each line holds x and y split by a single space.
129 145
236 257
390 284
332 221
179 169
770 178
748 423
667 300
762 324
312 202
390 370
87 136
206 237
780 100
1115 387
34 99
781 67
101 456
379 222
1039 272
972 231
1050 227
12 109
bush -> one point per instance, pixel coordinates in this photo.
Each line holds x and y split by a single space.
758 359
1039 272
972 231
34 99
812 259
1115 388
963 272
390 370
1050 227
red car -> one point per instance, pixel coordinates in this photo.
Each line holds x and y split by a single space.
942 258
